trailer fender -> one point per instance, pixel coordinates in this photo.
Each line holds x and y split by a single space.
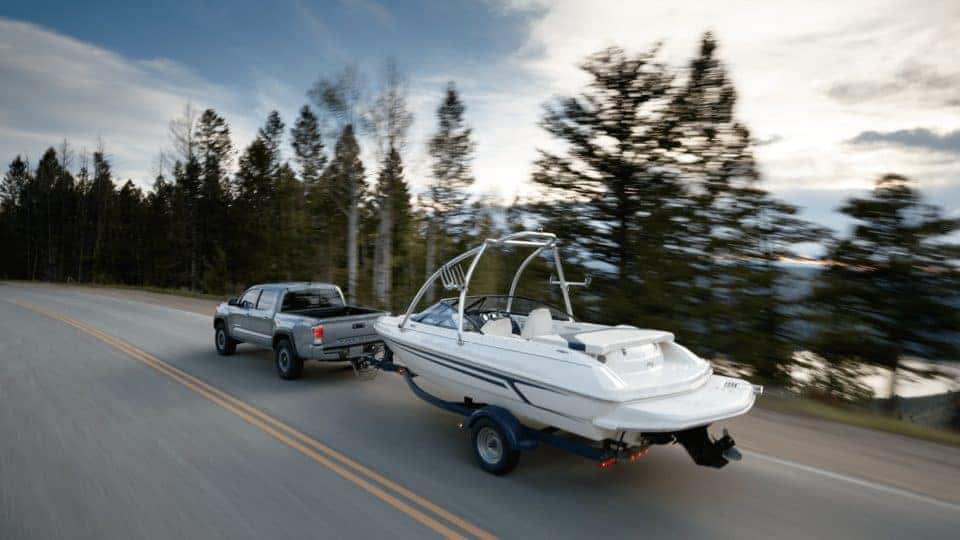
512 427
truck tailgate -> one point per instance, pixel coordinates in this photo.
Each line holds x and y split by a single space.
353 330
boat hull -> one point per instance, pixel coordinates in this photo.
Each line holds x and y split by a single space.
454 372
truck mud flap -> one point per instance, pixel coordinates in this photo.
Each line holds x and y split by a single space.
706 451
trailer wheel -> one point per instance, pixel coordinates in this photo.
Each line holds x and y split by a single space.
493 449
289 365
225 344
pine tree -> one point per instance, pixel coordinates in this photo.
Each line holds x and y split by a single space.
735 232
13 198
290 231
308 149
46 175
255 186
215 151
347 187
84 208
126 237
717 158
389 120
394 229
271 134
161 257
617 194
451 150
308 146
64 217
187 179
890 290
102 195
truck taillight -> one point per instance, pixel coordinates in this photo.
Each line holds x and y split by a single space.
318 332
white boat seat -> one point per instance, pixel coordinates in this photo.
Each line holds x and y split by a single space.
538 323
498 327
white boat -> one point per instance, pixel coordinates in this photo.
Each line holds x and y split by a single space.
620 385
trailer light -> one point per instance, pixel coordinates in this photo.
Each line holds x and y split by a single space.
604 463
318 332
637 454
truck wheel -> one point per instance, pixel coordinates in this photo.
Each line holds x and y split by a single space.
492 448
289 365
225 344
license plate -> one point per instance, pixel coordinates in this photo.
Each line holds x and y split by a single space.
356 351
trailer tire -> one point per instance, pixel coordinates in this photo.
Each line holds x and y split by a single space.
289 365
225 344
492 448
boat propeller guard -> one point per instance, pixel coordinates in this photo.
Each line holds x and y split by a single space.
706 451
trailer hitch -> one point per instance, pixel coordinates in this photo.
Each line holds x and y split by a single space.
706 451
367 365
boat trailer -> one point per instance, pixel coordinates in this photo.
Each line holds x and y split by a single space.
499 437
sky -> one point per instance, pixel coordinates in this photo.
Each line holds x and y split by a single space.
835 93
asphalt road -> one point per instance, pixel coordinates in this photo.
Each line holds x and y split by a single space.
98 441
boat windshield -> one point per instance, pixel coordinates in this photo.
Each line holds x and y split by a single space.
520 305
444 314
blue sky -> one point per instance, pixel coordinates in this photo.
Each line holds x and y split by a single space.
836 93
230 42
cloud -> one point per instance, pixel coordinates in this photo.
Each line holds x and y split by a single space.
916 138
57 87
912 77
890 63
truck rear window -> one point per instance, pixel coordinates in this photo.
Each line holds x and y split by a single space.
311 299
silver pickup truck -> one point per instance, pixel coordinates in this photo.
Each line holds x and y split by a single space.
298 321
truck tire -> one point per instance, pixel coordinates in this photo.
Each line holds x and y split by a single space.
225 344
289 365
493 450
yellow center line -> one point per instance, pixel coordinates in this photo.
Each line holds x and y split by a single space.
312 448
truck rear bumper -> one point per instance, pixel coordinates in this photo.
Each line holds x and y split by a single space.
339 354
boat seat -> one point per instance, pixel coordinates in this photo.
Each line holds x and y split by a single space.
538 323
498 327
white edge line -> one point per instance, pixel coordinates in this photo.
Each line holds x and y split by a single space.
853 480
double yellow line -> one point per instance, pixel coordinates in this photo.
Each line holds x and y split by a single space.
370 481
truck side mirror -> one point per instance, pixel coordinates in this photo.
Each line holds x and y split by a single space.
233 302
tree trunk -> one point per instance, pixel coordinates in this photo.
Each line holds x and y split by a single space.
893 405
431 257
97 267
48 274
352 232
327 258
382 265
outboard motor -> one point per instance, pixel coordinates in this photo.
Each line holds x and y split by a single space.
704 450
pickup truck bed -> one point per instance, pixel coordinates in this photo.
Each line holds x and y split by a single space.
339 311
298 321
